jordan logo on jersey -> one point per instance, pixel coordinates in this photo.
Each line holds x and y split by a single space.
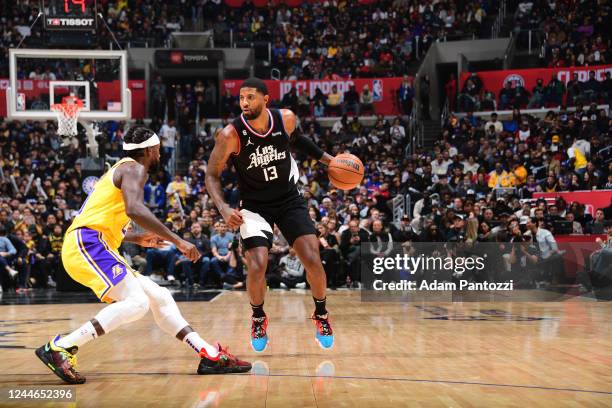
264 156
249 142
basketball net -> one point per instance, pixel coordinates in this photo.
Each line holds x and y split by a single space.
67 115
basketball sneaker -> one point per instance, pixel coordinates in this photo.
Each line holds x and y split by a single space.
324 333
259 336
62 361
223 363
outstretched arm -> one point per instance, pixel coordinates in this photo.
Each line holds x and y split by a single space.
131 178
145 239
226 143
299 141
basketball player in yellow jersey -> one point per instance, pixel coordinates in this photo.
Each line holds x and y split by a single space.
90 257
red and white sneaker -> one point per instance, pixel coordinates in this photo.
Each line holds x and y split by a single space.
223 363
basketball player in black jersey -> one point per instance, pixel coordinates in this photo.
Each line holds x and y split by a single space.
258 144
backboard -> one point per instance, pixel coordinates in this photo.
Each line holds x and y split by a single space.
39 78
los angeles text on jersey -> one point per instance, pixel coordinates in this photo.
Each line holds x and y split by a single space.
265 155
438 285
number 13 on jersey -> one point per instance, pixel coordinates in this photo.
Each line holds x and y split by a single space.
270 173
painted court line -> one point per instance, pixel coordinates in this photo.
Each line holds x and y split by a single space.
348 377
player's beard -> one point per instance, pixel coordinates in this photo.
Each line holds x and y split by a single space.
255 112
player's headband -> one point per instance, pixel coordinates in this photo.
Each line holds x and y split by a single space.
152 141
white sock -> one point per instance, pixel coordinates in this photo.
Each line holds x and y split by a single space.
80 336
197 343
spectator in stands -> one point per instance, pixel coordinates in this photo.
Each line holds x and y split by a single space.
554 92
550 263
574 91
488 101
537 95
169 135
381 241
203 264
292 271
7 252
406 96
451 92
220 246
279 248
598 225
290 100
164 257
303 104
591 88
497 125
158 97
507 96
366 100
329 250
56 240
334 101
229 104
177 188
351 101
500 178
350 246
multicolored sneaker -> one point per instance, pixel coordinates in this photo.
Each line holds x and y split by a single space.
61 361
259 336
223 363
324 334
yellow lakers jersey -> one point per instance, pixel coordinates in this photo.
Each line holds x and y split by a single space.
104 210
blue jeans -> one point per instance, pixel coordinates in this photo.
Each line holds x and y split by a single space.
187 267
167 258
185 143
223 271
166 155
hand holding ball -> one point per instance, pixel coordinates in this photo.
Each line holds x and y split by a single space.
345 171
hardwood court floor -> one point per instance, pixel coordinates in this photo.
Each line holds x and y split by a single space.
386 355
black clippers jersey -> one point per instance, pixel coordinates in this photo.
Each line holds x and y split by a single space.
266 171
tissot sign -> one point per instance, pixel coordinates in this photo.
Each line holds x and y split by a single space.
188 58
70 22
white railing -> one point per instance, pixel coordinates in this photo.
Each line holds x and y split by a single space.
499 20
398 209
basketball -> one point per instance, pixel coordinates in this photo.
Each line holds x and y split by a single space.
345 171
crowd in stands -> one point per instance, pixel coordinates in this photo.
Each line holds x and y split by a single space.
575 33
347 38
474 184
548 92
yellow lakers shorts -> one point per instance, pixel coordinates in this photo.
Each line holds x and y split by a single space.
89 260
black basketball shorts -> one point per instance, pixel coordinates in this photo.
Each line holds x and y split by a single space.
291 217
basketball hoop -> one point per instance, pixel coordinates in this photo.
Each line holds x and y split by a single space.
67 115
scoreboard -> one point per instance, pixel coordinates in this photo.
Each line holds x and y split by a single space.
70 14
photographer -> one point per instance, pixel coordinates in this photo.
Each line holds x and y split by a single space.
550 262
350 247
522 258
329 252
237 263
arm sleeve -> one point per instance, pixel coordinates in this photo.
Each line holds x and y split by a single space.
305 145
